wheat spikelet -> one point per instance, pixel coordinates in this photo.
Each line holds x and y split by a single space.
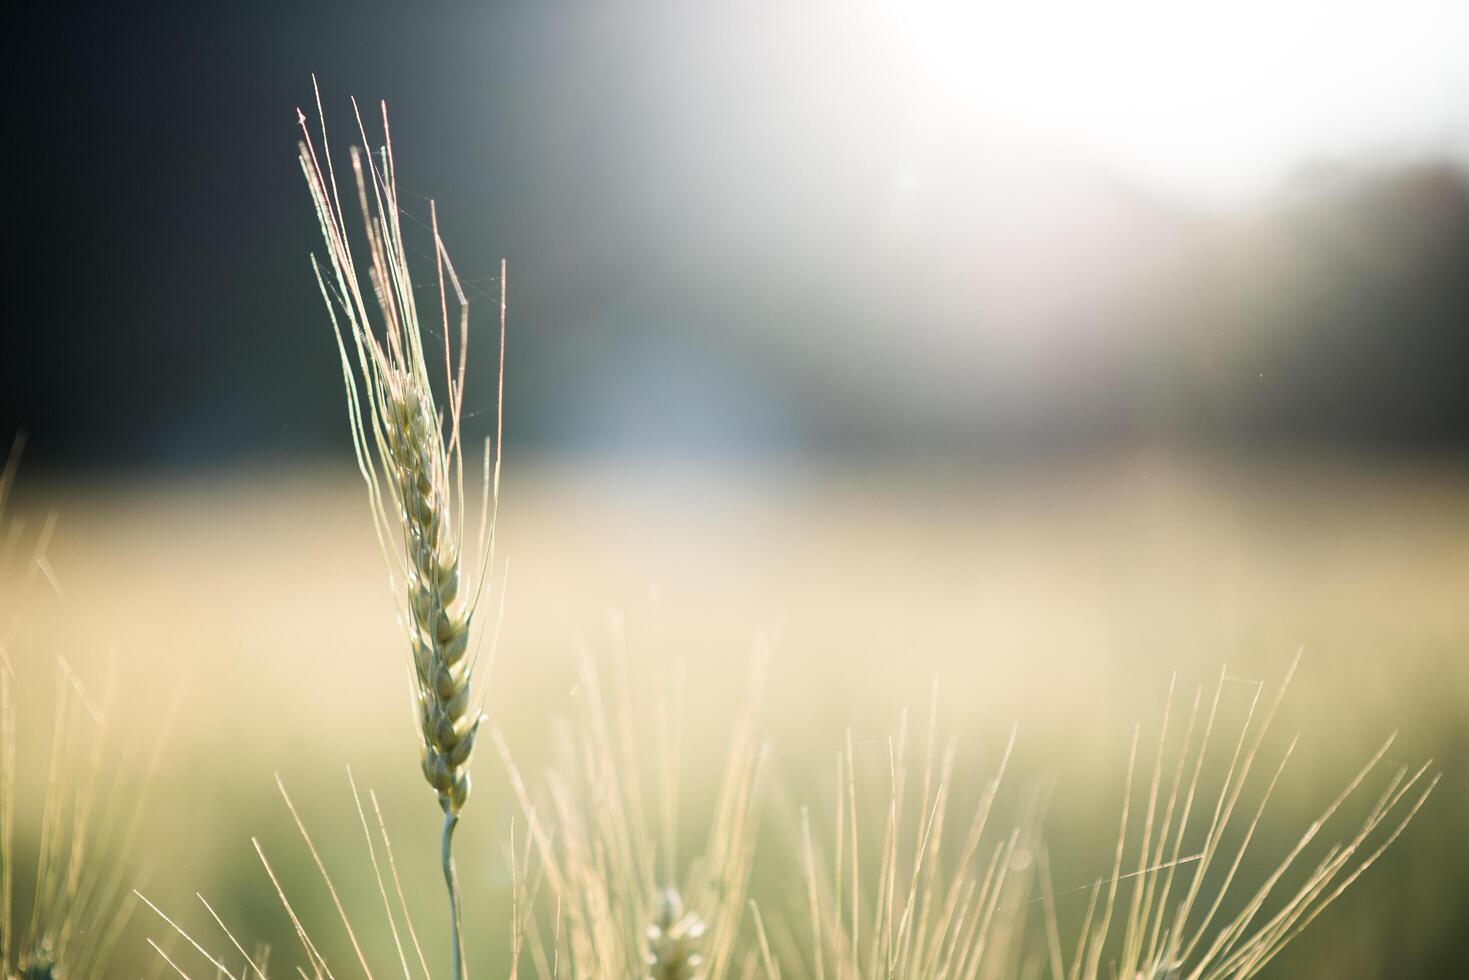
673 940
411 458
408 450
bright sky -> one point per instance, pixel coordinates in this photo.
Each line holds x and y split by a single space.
1211 100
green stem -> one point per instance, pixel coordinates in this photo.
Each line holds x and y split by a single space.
456 951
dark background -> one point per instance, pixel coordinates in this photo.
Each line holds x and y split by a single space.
705 257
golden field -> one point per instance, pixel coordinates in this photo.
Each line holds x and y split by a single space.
1060 597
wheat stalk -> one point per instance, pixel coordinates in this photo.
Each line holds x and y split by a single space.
411 456
622 900
91 810
1155 914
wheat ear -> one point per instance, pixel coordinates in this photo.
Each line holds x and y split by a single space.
411 457
673 940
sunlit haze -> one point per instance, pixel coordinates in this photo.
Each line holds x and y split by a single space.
1212 101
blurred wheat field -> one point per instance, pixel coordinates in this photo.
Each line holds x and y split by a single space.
1061 597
